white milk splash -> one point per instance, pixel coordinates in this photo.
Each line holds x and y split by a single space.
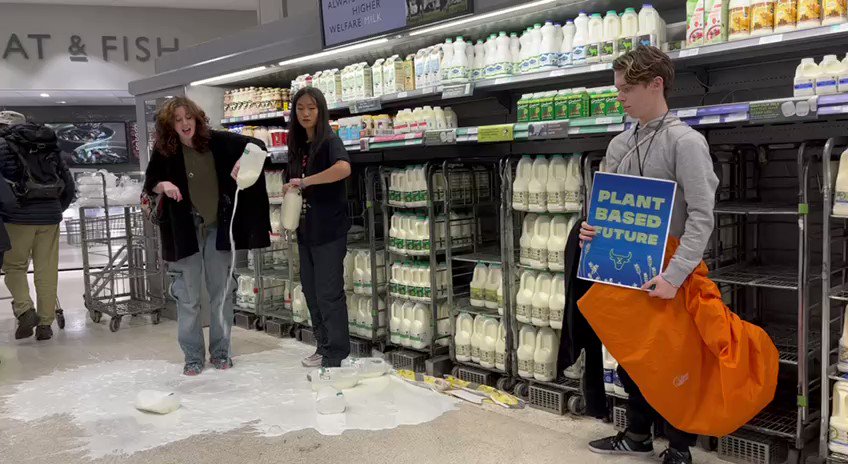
266 391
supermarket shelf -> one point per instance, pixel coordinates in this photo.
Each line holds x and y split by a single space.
839 293
474 365
439 252
464 306
834 374
562 383
777 277
439 299
488 256
259 117
750 208
775 421
786 341
534 268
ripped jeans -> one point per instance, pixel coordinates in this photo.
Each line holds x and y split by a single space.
187 291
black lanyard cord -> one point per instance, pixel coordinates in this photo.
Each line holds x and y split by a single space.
650 142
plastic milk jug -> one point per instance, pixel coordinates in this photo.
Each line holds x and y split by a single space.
459 70
422 331
494 280
525 242
395 323
477 338
596 28
478 70
450 118
839 419
363 317
555 186
292 206
521 184
648 20
406 323
567 46
573 186
348 265
359 271
840 203
462 339
842 366
490 48
448 51
489 339
549 48
515 53
434 65
609 370
478 285
500 297
545 356
557 301
612 26
539 242
503 56
629 23
537 195
541 316
581 38
805 78
500 348
526 351
556 243
828 79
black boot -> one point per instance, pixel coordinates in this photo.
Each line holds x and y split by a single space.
26 322
43 332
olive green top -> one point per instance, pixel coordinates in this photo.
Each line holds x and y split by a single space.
202 184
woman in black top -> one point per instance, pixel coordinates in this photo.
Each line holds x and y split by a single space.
319 166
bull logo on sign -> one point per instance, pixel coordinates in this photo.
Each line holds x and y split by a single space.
620 260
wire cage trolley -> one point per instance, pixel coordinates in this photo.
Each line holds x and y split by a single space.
122 267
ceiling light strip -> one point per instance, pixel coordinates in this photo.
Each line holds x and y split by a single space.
229 76
334 51
480 17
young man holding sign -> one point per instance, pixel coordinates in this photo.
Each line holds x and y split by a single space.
663 147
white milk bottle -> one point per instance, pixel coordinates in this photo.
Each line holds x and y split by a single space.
488 342
548 47
377 77
629 23
541 316
596 36
574 186
500 348
292 206
545 355
396 323
555 186
421 77
515 52
459 70
364 318
396 277
429 124
526 239
648 20
434 63
805 78
557 301
838 433
828 78
441 121
447 61
359 269
503 56
840 200
539 243
521 183
526 351
462 339
450 118
477 337
400 234
567 46
490 48
842 86
469 56
612 26
524 296
348 265
478 70
556 243
524 50
422 327
494 280
609 370
536 188
406 323
581 39
478 285
500 298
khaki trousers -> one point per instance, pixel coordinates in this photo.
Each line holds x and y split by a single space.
41 243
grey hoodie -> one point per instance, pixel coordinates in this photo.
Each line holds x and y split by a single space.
681 154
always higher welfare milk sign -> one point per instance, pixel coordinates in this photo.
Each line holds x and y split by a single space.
632 216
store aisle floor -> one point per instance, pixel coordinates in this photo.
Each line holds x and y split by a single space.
470 434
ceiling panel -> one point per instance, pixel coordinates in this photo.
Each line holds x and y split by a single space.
239 5
69 97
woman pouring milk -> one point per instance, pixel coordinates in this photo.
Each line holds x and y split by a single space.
319 166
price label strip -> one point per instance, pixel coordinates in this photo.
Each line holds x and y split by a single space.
496 133
547 130
366 106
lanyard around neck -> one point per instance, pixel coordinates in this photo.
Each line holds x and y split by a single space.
650 142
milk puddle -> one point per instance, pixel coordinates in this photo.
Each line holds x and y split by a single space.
266 391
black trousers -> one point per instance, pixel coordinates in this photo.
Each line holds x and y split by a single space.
640 416
322 277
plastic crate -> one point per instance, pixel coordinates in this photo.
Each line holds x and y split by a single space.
246 321
307 336
619 418
744 447
469 374
548 399
277 328
408 360
360 348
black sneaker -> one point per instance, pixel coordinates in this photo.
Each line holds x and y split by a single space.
672 456
620 444
26 323
43 332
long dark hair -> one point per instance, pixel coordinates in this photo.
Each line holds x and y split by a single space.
167 140
298 138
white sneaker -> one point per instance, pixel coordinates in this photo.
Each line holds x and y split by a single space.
312 361
575 371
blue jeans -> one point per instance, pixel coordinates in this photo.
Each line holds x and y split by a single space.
187 290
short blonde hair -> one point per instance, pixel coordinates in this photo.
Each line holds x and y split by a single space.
642 64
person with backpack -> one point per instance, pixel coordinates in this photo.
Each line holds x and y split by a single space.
31 164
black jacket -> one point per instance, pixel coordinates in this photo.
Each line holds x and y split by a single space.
33 212
252 222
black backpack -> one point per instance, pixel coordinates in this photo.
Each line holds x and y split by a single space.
40 164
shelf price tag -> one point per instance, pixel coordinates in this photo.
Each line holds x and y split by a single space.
440 137
401 95
496 133
365 144
365 106
734 117
547 130
457 91
765 110
688 113
689 52
770 39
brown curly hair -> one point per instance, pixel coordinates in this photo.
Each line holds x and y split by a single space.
167 140
642 64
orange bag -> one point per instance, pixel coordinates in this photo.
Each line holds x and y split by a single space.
702 368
